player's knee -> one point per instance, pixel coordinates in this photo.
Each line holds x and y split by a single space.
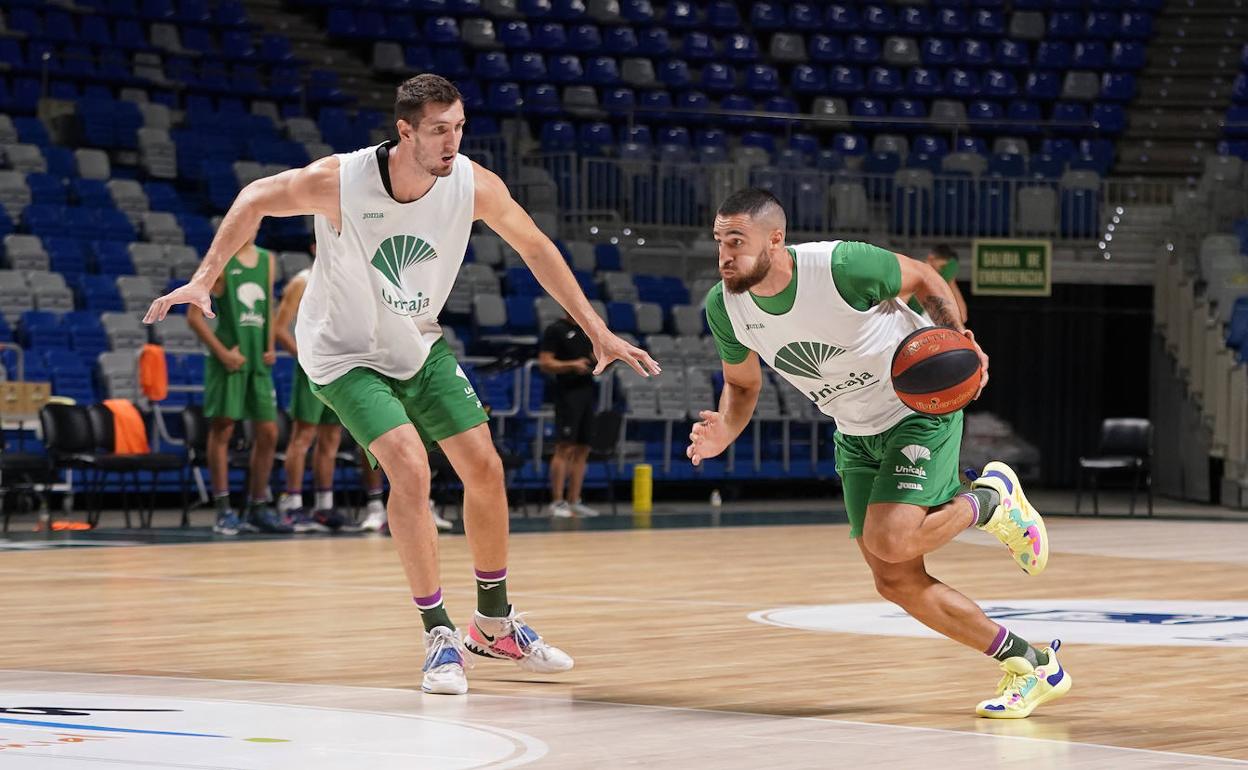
887 546
407 468
266 434
486 468
896 588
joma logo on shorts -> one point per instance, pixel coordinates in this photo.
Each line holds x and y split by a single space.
909 485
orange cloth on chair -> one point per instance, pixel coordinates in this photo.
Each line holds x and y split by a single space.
129 433
153 373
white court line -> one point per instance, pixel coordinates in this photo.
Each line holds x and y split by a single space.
686 709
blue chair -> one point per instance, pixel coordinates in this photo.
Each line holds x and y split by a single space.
723 15
492 66
1102 24
654 42
442 30
1007 165
637 134
914 20
621 41
981 112
584 38
849 145
861 49
1027 114
718 78
1090 55
998 84
1109 118
1127 55
594 138
908 108
637 12
681 14
974 53
935 146
924 82
602 71
766 16
542 99
808 79
737 103
1073 114
1012 54
884 81
961 83
1044 86
845 80
762 80
1118 86
952 21
740 48
1065 24
988 22
449 62
1046 166
938 52
515 35
527 67
550 37
558 136
697 46
804 16
841 18
674 73
565 69
971 144
619 101
1054 54
826 49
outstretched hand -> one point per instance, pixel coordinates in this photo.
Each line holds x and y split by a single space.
610 348
189 294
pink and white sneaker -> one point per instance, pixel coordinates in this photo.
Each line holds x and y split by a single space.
510 639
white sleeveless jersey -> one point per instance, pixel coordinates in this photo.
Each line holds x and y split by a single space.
838 356
377 287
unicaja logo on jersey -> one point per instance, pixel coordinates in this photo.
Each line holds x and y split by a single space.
806 359
915 454
249 295
392 258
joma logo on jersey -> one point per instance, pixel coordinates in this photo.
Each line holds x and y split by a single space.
392 259
374 215
835 390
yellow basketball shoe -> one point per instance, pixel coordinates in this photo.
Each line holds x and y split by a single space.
1015 522
1023 687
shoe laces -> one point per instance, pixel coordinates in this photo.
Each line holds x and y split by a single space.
526 638
439 644
1015 537
1012 683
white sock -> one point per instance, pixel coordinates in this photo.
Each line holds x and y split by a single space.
376 506
290 501
325 500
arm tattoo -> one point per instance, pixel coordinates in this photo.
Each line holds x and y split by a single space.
941 312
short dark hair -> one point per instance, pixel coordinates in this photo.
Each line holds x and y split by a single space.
414 93
751 201
944 251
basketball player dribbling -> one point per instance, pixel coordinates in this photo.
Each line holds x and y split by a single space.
392 226
827 316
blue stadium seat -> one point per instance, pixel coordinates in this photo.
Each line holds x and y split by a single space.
988 22
766 16
723 15
1102 24
861 49
740 48
585 38
826 49
938 52
924 82
681 14
1044 86
1127 55
565 69
914 19
1118 86
803 16
974 53
952 21
878 19
674 73
622 317
1090 55
638 12
962 83
621 41
550 37
1007 165
807 79
718 78
697 47
492 65
763 80
654 42
841 18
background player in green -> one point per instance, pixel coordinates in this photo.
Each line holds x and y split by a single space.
827 317
392 227
315 424
238 383
944 260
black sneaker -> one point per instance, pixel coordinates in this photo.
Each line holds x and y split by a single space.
265 519
331 519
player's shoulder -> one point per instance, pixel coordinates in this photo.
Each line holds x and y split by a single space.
715 295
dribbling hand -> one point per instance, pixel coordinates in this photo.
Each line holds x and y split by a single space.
708 438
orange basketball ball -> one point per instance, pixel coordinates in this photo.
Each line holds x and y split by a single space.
936 370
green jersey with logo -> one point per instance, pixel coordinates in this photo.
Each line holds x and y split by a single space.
831 333
243 310
377 286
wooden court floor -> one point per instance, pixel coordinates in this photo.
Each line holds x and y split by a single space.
661 618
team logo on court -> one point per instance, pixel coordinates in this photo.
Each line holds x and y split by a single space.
1172 623
250 295
392 259
806 359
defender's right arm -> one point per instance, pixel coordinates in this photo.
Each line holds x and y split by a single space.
312 189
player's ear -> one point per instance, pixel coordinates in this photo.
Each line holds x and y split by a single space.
405 129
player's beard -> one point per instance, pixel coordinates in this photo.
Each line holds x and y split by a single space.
742 282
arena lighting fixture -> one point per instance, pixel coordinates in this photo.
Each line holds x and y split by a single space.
593 230
1101 245
641 241
628 231
615 240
